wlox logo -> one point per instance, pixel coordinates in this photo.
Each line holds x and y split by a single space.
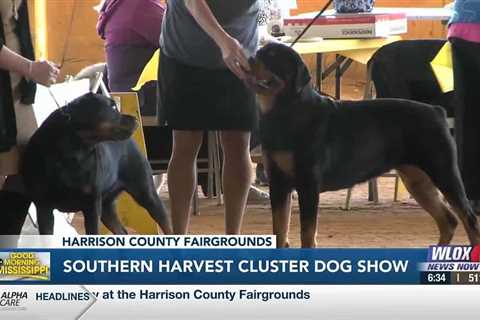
454 254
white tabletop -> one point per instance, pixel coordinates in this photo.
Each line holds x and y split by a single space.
440 14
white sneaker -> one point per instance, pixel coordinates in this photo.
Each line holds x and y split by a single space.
257 196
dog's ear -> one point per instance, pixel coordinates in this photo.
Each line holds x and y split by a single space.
302 77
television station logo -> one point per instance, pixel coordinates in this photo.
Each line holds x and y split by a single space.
24 266
452 258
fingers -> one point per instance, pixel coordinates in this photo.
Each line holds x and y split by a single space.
235 66
44 72
244 62
235 58
239 65
53 72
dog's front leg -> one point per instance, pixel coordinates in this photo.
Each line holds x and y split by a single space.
281 210
91 222
280 199
92 217
308 196
45 219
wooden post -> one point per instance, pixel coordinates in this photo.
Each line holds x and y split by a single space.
38 26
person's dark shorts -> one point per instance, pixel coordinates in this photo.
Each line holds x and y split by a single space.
194 98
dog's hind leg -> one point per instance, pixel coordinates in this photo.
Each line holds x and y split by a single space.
155 207
426 194
450 184
149 199
466 214
138 182
45 219
110 219
442 168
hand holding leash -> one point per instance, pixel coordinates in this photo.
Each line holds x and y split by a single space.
43 72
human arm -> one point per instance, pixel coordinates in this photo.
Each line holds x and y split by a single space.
232 52
43 72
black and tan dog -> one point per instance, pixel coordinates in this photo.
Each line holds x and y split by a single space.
81 158
314 144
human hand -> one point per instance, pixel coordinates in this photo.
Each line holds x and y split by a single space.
234 57
43 72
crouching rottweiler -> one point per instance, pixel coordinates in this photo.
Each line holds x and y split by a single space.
81 158
315 144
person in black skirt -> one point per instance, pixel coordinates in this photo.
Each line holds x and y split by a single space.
204 49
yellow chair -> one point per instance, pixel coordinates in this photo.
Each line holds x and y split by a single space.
130 213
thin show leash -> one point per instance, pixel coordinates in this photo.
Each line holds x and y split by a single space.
59 107
66 44
311 23
300 35
308 27
98 168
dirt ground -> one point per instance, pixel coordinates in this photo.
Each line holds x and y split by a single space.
387 224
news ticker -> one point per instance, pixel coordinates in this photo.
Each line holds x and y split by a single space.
239 302
220 260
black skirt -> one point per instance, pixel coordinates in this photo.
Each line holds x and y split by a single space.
194 98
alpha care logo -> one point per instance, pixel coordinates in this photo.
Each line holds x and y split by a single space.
13 300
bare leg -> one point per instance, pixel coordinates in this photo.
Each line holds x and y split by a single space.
237 177
181 176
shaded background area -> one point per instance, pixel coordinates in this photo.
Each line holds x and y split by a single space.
70 31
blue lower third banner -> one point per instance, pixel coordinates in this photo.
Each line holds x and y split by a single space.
211 267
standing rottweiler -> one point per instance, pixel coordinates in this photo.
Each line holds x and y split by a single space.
315 144
81 158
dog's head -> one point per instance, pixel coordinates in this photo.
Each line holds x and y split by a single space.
95 118
276 70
